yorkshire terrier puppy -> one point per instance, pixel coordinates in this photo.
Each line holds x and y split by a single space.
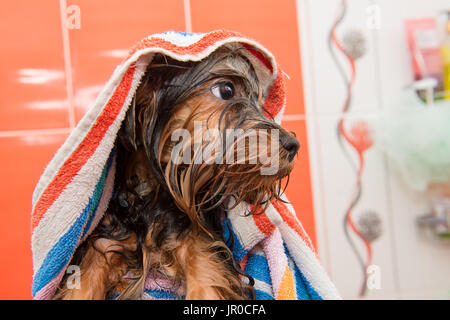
171 194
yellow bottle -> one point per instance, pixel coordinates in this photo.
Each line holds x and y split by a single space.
446 60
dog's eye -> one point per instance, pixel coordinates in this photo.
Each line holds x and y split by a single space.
224 90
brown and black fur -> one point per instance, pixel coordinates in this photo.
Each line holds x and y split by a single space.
168 218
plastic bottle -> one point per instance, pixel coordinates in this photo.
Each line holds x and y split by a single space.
445 50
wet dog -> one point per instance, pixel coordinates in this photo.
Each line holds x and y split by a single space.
196 142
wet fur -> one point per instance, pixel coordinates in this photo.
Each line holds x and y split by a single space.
168 218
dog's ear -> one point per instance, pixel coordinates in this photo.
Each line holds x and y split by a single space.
127 133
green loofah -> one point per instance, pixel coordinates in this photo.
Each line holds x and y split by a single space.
416 138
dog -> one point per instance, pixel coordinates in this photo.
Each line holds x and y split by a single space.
166 214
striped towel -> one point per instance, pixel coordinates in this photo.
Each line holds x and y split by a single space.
73 193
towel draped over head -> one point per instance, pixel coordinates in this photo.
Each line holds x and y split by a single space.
73 193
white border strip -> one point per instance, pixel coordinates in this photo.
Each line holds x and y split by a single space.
187 15
67 62
309 90
36 132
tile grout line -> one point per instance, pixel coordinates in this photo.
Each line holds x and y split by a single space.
187 15
376 45
320 205
67 62
295 117
33 132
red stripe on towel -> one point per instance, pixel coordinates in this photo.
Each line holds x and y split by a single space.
84 150
259 55
276 97
263 223
195 48
289 219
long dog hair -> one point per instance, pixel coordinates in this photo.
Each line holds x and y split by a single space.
167 217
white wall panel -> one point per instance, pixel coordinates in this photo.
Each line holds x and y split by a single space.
411 265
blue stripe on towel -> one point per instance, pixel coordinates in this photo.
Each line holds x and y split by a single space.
233 242
313 295
104 176
61 253
261 295
185 34
258 268
303 288
161 294
300 288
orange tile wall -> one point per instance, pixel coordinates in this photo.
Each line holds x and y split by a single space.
38 107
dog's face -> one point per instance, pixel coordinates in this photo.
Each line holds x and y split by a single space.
202 130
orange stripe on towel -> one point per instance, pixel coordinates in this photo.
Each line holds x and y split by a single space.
287 288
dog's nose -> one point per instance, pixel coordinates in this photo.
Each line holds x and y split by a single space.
291 145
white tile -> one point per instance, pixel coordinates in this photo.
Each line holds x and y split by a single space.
412 266
338 184
423 264
329 87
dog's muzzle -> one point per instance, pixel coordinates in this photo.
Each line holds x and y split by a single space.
290 144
